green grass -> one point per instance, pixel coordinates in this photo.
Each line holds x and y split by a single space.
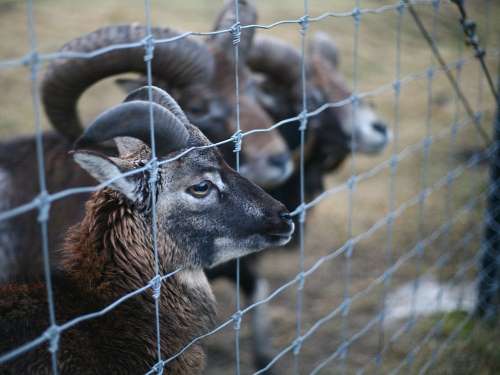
474 349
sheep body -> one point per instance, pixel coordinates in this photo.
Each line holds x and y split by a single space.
21 234
329 140
110 252
88 282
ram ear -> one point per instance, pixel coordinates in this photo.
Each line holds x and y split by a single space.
324 46
128 145
107 169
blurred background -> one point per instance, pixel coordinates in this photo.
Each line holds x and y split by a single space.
474 349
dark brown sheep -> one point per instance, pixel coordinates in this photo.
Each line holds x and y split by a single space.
110 252
331 136
201 77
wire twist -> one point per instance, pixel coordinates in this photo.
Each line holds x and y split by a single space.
149 47
155 284
237 137
236 32
52 334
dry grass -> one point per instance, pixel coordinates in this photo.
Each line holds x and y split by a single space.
58 21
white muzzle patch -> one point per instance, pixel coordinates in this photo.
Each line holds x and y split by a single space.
369 134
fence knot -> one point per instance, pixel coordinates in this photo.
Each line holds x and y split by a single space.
397 87
343 349
386 276
351 182
349 247
378 359
472 40
43 206
469 27
303 120
155 284
237 141
301 277
32 59
480 53
236 31
149 46
427 143
450 177
436 4
420 248
52 334
401 7
393 163
237 319
297 345
441 262
153 171
424 194
410 357
301 210
478 116
346 306
391 217
304 24
158 367
354 99
475 159
430 73
356 14
297 210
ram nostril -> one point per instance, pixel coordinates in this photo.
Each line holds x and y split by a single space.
218 113
279 160
380 127
285 216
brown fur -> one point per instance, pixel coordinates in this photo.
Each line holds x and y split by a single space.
106 256
17 159
110 254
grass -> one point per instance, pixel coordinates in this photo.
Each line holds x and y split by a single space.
474 351
328 225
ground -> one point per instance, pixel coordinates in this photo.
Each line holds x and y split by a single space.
346 213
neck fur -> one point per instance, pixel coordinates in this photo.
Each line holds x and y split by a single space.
110 254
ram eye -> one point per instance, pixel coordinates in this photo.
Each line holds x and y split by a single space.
200 190
197 108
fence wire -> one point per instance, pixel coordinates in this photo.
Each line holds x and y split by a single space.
487 277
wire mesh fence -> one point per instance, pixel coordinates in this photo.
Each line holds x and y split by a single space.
434 231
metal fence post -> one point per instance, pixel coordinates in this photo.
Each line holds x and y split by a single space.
487 301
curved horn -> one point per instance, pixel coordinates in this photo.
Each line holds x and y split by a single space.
160 97
131 119
276 59
324 46
179 63
226 18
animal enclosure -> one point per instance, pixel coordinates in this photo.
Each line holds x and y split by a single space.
383 277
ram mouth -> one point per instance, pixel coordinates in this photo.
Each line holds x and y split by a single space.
274 176
281 237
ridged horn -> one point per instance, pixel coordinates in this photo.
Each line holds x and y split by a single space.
160 97
226 18
131 119
179 64
277 59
